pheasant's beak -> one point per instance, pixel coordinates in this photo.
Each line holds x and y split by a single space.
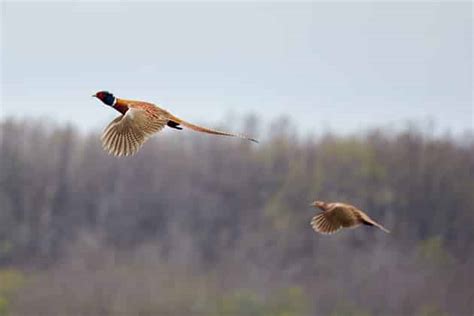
94 96
318 204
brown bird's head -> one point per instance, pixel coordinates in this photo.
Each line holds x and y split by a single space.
320 204
106 97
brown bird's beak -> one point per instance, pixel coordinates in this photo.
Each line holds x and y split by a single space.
94 96
318 204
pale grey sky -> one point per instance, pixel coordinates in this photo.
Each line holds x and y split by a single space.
338 65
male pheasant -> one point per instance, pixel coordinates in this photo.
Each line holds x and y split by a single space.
338 215
138 121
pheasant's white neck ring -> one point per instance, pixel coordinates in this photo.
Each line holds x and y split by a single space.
115 101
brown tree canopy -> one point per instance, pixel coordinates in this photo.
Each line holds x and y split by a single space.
233 217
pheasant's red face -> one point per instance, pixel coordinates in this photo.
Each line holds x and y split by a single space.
100 95
105 96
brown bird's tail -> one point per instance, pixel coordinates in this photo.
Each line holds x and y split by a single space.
368 221
208 130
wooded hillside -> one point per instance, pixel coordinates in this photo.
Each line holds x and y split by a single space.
195 224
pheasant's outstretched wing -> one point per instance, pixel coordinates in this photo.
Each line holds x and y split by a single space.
337 216
127 133
325 223
201 129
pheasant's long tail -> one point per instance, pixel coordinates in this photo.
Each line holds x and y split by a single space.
374 223
208 130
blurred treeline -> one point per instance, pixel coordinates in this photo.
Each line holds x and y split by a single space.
202 225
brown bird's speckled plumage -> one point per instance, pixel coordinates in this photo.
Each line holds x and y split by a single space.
139 120
340 215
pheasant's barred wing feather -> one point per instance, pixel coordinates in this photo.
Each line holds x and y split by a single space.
120 138
322 223
127 133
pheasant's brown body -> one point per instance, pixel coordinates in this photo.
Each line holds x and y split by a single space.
340 215
138 121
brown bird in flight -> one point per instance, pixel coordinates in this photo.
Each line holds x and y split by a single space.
338 215
139 120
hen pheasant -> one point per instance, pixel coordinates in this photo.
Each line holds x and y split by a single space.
338 215
138 121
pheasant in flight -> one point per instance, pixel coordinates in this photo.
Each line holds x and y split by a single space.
139 120
338 215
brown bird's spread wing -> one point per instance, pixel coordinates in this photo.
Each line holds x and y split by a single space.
325 223
127 133
208 130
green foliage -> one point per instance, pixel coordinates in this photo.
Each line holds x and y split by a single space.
241 303
430 310
5 248
287 302
347 309
10 281
432 251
